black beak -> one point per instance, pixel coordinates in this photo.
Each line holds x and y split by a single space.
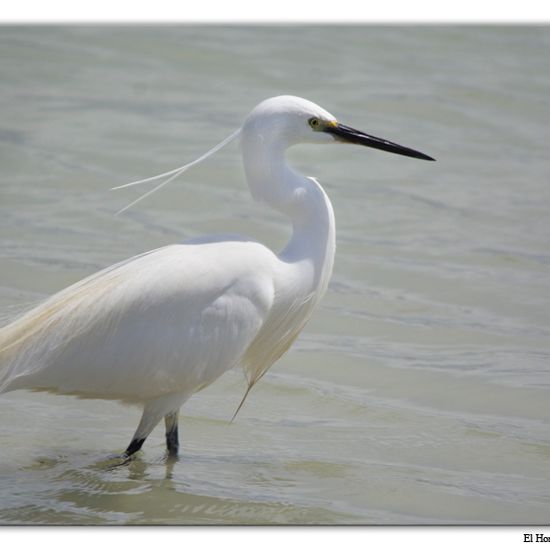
349 135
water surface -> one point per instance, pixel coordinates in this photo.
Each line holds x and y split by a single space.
419 391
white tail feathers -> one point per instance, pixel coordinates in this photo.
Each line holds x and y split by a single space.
30 341
173 174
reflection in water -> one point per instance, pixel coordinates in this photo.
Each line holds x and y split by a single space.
139 491
84 489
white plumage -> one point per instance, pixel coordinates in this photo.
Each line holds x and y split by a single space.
159 327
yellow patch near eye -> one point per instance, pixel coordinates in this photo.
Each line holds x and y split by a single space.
332 123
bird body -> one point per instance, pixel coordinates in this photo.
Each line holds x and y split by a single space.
159 327
182 314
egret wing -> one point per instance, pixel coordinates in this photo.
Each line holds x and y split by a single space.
170 320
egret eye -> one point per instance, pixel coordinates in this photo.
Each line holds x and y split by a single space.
314 123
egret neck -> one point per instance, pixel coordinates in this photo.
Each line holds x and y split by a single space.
301 199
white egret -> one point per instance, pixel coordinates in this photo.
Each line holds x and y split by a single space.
156 328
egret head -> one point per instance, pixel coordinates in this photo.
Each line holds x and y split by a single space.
288 120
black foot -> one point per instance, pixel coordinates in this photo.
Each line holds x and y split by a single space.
134 447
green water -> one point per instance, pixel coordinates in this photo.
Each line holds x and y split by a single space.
419 391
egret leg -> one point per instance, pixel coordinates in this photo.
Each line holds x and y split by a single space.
147 423
172 441
167 406
134 447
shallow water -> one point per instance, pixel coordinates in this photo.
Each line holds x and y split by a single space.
419 391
